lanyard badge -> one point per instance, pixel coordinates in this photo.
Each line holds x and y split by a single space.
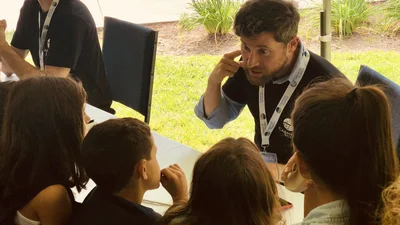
45 29
266 127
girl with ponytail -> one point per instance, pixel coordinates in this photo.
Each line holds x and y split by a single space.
344 150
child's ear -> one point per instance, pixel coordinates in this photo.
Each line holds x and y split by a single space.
141 169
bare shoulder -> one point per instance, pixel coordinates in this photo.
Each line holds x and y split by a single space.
52 205
52 195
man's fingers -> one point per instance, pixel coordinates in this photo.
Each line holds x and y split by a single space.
226 61
231 69
233 55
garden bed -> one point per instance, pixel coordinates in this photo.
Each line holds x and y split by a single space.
173 41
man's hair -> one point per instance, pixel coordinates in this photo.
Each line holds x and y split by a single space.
276 16
111 150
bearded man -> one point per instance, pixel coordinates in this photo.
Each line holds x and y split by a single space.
272 71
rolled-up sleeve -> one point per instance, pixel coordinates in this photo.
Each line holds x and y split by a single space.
226 111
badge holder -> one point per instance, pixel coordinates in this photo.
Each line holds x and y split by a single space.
272 159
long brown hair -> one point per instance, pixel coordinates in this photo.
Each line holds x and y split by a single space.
344 135
42 133
231 185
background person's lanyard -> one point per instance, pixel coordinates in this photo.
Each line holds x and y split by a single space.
268 127
45 29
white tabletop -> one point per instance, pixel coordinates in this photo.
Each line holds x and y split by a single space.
170 152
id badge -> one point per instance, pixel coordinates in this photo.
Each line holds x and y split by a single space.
271 159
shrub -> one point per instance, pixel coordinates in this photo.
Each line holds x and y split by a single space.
391 12
217 16
347 15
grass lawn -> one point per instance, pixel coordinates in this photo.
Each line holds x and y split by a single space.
181 80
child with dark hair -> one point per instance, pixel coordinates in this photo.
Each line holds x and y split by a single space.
40 143
120 156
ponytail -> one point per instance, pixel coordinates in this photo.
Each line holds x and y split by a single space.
378 165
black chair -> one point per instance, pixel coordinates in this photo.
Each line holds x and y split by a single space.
368 76
129 52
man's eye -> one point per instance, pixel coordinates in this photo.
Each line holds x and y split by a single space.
263 51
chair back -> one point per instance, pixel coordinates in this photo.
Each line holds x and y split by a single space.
129 52
368 76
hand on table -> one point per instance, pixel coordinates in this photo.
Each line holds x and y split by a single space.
174 181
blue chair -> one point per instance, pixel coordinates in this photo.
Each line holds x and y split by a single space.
129 52
368 76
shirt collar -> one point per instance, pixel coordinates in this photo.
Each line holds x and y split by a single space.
292 75
335 209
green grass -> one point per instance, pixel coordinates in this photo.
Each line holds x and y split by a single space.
181 80
9 36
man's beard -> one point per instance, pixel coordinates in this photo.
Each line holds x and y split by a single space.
266 78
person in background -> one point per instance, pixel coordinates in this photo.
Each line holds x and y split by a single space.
231 185
344 151
40 141
61 36
120 156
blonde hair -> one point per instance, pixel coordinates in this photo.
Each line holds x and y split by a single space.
391 204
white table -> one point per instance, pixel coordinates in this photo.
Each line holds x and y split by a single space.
170 152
